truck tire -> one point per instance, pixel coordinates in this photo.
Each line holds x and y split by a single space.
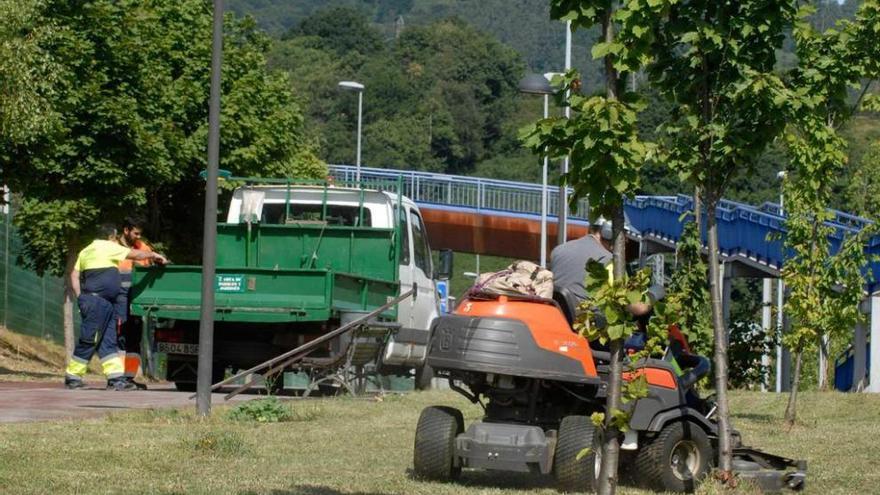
434 450
424 375
676 459
575 434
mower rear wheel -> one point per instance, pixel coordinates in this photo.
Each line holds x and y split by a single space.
575 434
424 375
434 450
676 459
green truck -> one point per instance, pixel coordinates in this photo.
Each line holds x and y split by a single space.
293 263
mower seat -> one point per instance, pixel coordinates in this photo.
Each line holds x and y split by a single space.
567 301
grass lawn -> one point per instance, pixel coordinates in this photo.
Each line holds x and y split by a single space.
363 446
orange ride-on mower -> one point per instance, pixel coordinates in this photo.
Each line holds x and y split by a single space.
538 383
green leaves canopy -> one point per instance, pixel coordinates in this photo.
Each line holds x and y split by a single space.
129 96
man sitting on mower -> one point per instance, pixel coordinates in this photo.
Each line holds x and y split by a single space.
568 262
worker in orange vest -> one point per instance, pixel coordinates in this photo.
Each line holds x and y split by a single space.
130 327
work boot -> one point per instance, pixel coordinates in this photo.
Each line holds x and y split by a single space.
120 385
73 384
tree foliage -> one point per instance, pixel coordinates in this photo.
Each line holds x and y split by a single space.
715 61
26 110
437 97
687 298
601 137
825 289
130 95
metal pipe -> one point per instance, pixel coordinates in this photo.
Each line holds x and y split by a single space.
766 324
308 346
360 112
209 234
780 291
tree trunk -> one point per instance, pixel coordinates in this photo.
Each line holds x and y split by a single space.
610 446
69 337
725 458
824 349
791 409
698 212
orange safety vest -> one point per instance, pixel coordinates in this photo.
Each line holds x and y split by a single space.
126 266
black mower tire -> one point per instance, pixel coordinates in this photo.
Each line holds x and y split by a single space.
424 375
575 434
654 463
434 449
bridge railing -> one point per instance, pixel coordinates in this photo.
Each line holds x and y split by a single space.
465 192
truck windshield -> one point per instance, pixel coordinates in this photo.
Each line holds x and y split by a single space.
273 213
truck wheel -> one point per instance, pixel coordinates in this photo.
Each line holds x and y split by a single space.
575 434
434 450
424 374
676 459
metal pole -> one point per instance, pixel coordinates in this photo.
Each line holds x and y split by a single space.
874 378
360 110
780 289
562 234
6 260
544 194
766 324
209 235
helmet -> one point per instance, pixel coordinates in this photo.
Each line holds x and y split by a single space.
606 227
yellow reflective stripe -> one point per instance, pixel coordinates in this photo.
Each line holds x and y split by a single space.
76 368
113 366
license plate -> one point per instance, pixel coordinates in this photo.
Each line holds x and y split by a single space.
176 348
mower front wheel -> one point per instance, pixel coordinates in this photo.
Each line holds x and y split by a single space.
434 450
676 459
575 435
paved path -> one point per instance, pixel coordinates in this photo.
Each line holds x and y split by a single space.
41 401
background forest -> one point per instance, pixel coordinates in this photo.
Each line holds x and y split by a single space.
441 87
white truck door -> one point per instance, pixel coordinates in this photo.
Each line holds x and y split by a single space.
409 345
405 311
425 309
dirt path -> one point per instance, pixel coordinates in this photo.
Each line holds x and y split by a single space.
41 401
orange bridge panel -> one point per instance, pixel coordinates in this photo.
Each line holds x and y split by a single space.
498 235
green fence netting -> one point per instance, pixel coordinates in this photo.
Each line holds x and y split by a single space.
29 304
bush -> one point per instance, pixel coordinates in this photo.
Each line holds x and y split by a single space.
268 410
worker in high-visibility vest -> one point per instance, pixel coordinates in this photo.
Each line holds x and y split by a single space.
96 282
131 332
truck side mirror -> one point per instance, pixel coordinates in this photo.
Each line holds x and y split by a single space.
444 272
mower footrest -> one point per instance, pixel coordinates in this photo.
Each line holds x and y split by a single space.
771 473
506 447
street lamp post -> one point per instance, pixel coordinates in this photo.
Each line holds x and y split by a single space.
562 234
356 86
540 85
780 287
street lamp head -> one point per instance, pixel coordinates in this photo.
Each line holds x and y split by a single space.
536 84
351 86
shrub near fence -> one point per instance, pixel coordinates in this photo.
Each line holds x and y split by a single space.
29 304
